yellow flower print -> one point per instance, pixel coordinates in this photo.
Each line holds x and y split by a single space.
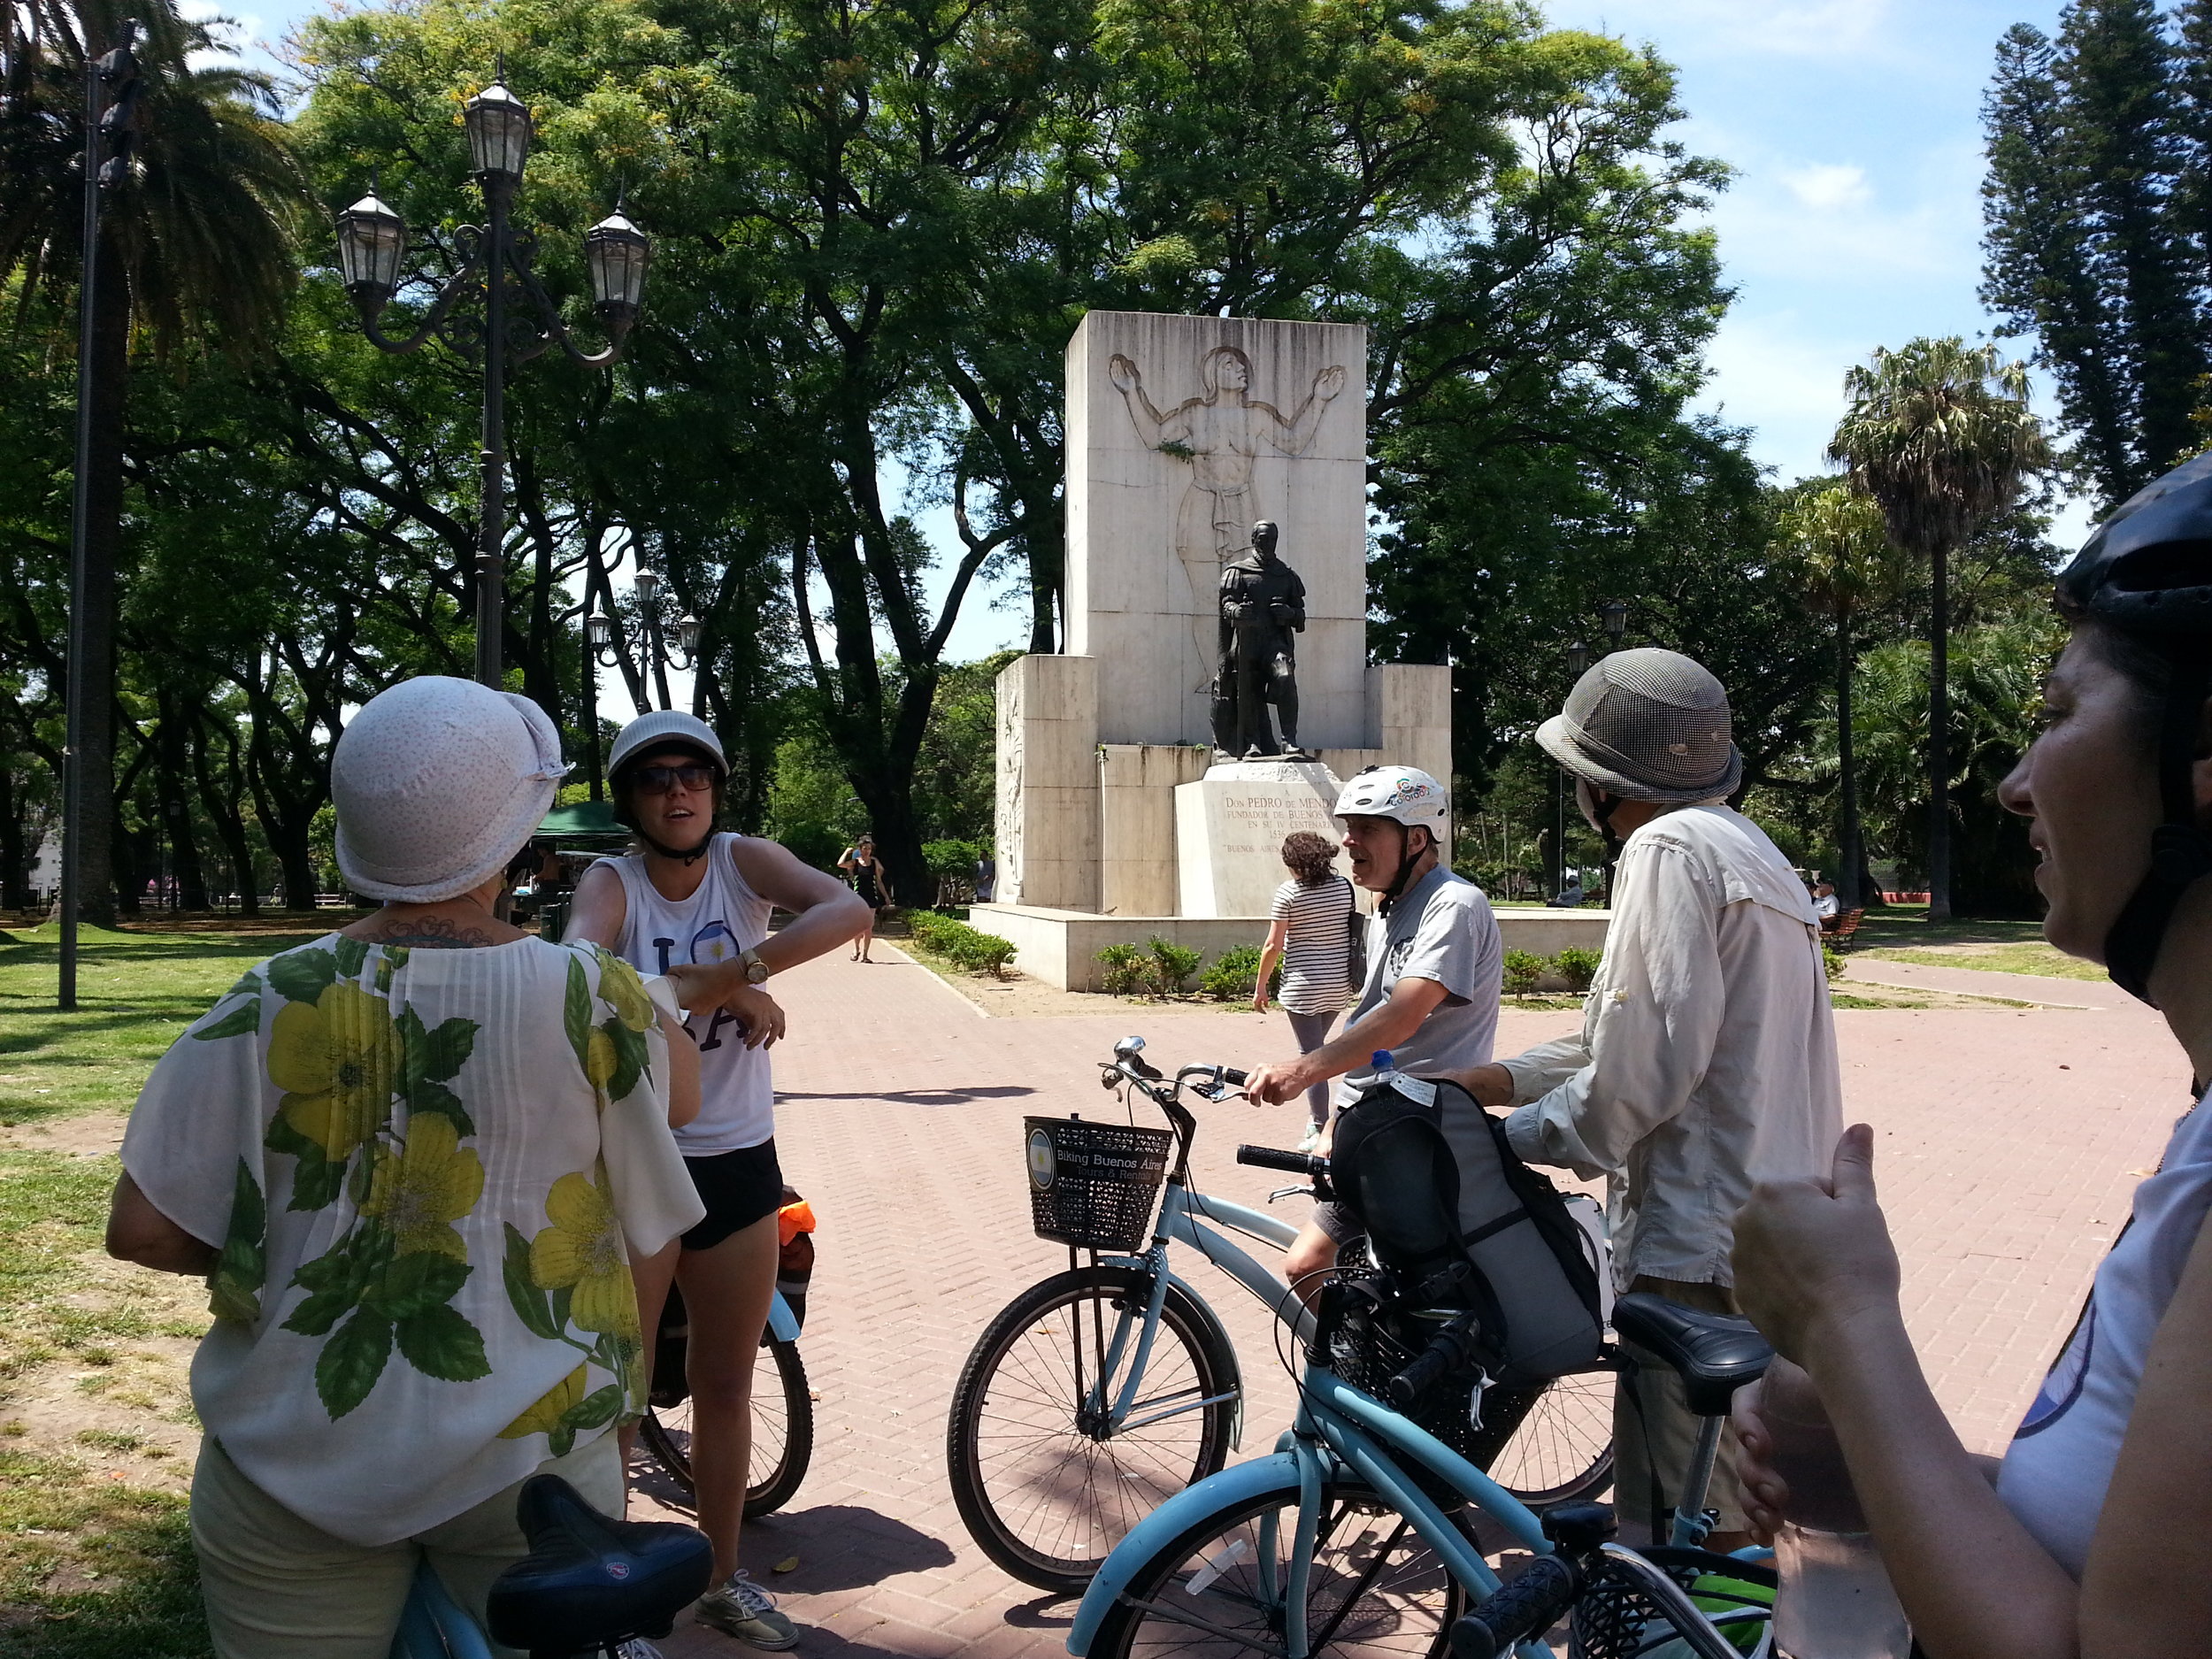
543 1415
624 992
430 1182
584 1250
337 1059
602 1058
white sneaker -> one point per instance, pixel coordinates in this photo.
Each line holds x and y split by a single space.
741 1608
638 1647
1312 1138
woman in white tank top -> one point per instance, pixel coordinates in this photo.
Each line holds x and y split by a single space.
2090 1538
695 905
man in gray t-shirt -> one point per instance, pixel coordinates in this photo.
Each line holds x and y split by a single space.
1433 962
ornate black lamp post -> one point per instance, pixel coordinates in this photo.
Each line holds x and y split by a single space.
373 240
608 644
1615 613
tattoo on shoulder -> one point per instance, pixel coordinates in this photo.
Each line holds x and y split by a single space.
432 933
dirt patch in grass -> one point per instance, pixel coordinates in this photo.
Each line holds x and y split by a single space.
93 1567
2031 956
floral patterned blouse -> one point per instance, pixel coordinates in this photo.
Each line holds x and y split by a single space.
426 1171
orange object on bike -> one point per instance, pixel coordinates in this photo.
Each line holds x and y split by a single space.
793 1219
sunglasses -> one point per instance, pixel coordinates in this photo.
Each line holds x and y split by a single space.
661 780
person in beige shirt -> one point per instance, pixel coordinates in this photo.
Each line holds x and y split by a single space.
1706 1059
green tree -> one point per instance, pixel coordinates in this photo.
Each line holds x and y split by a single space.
1940 435
1841 554
193 247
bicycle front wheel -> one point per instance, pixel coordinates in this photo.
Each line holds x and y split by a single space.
783 1432
1375 1590
1558 1444
1045 1484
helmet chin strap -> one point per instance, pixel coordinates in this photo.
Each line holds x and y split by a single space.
2181 853
1599 807
666 851
1407 859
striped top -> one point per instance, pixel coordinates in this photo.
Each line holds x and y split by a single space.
1317 949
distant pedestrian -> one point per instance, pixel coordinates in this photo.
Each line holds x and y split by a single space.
986 878
1311 937
869 880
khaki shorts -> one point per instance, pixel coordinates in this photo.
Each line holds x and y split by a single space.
280 1587
1654 1446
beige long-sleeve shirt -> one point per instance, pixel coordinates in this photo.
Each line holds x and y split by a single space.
1706 1059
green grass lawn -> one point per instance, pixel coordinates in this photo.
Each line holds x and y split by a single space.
136 991
1902 933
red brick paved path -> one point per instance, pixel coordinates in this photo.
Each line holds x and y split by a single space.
2007 1143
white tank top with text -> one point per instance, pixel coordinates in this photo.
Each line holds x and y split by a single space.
720 922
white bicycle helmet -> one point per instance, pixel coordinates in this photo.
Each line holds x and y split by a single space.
664 728
1405 794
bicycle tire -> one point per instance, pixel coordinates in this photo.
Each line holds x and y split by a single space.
1048 1527
1560 1449
1359 1605
789 1424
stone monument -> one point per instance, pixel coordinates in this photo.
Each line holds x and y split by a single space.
1127 801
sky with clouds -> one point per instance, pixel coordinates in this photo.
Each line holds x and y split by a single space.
1855 218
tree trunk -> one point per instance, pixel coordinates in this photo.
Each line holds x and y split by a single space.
230 822
172 790
1939 735
104 541
1849 890
15 863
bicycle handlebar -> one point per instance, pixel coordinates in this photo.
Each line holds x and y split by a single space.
1295 1162
1449 1353
1530 1603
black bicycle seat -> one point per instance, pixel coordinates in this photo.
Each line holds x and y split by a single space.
591 1580
1716 1352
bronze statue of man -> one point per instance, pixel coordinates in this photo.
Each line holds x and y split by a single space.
1263 610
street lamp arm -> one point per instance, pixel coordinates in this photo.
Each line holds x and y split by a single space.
450 293
552 331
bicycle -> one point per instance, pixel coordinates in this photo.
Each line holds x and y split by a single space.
591 1585
1356 1537
1099 1392
783 1418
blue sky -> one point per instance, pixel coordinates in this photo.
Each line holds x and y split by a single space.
1853 221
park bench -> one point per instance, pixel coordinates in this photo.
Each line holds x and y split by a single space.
1839 928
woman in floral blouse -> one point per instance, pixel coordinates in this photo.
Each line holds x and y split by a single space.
417 1160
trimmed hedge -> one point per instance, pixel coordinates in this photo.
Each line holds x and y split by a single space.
963 946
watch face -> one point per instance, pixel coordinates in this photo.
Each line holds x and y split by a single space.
756 972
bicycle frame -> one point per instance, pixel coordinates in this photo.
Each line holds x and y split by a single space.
1337 1425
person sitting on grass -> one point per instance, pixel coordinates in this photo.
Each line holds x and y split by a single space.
2090 1538
417 1160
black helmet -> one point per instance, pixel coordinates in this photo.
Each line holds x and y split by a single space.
2147 572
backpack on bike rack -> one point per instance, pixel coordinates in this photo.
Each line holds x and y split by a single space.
1459 1221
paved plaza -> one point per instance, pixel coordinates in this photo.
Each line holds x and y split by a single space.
2008 1143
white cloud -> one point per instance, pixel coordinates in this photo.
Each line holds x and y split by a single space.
1828 185
1810 28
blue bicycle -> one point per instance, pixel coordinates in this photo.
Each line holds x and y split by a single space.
1364 1534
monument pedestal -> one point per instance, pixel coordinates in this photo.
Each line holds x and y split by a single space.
1229 830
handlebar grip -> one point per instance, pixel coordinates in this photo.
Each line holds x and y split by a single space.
1406 1387
1528 1605
1272 1158
1230 1074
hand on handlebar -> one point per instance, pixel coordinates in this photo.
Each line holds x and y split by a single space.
1279 1081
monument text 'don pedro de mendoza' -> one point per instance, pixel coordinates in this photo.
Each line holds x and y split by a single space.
1129 802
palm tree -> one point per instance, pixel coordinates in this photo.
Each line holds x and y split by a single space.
194 251
1845 562
1940 435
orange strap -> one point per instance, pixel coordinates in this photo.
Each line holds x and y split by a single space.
791 1220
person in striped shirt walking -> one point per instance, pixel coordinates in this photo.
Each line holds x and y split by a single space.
1311 937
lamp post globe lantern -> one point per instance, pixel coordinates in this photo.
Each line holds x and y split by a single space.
687 636
1577 658
371 241
616 253
499 129
647 585
599 630
1616 614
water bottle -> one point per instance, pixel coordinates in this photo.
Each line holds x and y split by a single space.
1384 1066
1835 1599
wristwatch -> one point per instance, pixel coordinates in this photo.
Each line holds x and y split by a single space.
755 970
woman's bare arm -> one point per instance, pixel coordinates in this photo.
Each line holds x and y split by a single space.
824 912
139 1232
1815 1270
2146 1593
599 907
1271 953
683 1073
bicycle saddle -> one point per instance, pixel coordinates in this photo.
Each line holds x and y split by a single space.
591 1580
1716 1352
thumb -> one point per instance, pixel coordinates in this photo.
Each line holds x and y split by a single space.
1853 1175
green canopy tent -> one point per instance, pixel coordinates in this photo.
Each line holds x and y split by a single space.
588 827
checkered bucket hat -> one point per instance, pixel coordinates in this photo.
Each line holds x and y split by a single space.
1647 724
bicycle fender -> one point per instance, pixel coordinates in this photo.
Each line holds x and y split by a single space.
781 1324
1239 1483
1219 1332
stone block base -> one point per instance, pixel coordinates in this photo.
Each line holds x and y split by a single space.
1229 830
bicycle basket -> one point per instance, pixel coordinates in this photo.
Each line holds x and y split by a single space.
1617 1618
1368 1348
1092 1185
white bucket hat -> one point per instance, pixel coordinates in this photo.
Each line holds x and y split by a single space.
1647 724
437 783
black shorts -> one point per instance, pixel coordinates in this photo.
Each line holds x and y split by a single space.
738 1189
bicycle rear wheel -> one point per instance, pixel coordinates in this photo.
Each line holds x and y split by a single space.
1559 1449
1376 1590
783 1432
1047 1489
